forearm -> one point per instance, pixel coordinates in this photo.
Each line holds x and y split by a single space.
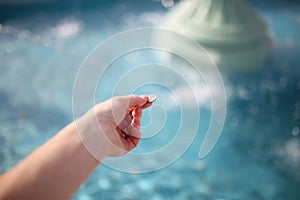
53 171
58 168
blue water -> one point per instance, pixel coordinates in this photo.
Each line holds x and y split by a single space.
258 154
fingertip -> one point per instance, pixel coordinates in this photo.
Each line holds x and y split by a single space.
143 101
135 100
151 98
144 96
136 122
137 112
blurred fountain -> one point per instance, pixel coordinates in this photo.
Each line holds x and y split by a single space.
233 35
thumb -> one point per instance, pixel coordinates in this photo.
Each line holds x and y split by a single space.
134 100
122 104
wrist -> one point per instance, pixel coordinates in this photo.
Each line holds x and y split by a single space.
91 135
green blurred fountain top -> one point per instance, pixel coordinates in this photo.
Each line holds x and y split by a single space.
233 34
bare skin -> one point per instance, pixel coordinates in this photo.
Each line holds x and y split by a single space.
56 169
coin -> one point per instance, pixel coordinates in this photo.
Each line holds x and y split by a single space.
151 98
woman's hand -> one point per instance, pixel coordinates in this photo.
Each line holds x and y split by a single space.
112 128
57 168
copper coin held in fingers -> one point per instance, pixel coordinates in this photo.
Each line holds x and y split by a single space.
151 98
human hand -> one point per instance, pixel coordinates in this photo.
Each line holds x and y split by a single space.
112 128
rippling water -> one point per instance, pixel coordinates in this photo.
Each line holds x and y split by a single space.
257 156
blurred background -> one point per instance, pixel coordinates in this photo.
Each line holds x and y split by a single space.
44 42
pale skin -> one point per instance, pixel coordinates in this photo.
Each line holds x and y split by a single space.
56 169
